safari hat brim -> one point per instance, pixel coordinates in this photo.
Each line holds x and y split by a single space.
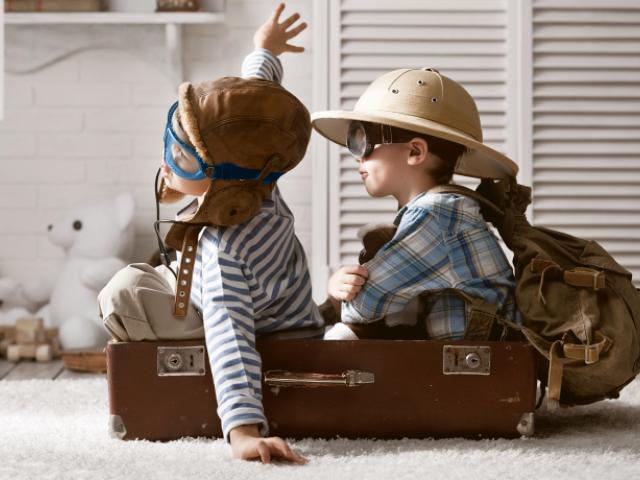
479 161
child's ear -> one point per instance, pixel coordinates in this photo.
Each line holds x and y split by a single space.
419 151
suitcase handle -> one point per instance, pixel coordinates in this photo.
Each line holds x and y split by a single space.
349 378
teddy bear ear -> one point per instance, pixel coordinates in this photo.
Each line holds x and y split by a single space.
124 210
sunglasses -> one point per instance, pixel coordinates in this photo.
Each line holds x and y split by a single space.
362 137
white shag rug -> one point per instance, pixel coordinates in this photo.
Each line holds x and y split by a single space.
58 430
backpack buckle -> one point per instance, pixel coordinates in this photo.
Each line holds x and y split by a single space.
591 354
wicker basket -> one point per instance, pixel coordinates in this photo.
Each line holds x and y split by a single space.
94 360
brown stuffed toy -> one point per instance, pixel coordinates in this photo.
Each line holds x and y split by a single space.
373 238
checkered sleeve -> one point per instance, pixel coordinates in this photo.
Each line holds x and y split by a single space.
414 261
261 63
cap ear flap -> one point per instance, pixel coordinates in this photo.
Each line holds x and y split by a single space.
168 195
189 113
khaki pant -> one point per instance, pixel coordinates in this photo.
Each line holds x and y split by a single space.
137 304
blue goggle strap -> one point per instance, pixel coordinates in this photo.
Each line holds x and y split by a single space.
223 171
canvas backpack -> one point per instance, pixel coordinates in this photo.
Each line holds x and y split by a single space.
578 306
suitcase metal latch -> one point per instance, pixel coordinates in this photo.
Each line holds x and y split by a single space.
466 360
181 361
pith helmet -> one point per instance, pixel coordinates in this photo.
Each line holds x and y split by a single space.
249 131
423 101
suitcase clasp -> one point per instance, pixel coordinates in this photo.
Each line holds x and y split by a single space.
466 360
181 361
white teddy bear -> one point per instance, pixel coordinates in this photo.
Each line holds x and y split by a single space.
97 239
20 300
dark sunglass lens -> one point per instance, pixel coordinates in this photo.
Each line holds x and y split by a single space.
357 139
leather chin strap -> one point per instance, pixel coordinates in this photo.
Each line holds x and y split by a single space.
185 273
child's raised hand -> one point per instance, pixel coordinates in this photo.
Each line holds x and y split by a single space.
346 282
274 36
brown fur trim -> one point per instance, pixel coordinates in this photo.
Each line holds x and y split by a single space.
189 121
168 195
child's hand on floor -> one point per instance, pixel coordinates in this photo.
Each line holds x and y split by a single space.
274 36
247 444
346 282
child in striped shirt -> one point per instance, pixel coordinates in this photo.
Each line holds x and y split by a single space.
248 280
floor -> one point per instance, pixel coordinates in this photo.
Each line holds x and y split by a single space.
27 370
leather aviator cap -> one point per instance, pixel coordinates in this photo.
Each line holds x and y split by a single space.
247 128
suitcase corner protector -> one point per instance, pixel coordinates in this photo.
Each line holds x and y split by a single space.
116 427
526 425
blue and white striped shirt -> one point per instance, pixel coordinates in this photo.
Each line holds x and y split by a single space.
442 242
250 279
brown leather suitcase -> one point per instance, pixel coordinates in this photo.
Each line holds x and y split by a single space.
315 388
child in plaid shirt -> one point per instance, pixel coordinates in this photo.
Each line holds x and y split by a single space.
409 132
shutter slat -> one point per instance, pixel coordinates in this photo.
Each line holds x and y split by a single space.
593 32
563 189
566 218
585 17
611 75
419 47
568 46
366 76
566 62
468 62
552 162
433 33
587 91
591 204
468 6
605 119
573 176
423 19
595 5
573 105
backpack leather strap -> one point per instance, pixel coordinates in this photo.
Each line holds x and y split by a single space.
482 315
589 353
577 277
467 192
585 277
554 378
482 318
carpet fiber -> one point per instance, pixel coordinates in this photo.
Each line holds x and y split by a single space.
58 429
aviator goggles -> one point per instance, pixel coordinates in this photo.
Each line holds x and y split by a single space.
222 171
362 137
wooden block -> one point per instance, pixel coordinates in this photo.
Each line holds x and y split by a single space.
29 331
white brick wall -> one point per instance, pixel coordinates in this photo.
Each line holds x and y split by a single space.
90 126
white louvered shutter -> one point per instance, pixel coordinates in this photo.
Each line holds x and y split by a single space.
463 39
586 122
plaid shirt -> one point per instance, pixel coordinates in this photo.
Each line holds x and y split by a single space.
441 242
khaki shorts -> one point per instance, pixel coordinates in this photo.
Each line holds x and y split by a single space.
137 304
